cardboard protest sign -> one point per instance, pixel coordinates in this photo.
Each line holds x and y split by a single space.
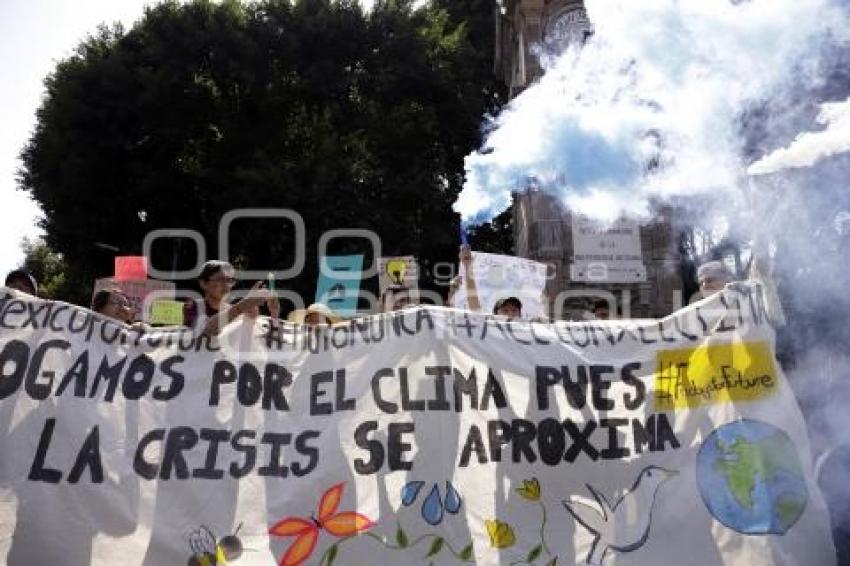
131 268
427 435
398 270
165 312
500 276
339 283
137 291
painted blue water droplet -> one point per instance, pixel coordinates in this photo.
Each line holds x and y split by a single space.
432 508
410 491
452 499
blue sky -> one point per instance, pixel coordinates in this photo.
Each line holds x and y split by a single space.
34 35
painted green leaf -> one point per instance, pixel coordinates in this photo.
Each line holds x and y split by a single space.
553 562
466 553
332 552
401 537
436 547
534 553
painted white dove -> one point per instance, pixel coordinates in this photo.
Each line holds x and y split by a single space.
624 526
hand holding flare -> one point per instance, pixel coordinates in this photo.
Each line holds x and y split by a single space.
306 531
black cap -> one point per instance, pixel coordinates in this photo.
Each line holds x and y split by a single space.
506 300
21 275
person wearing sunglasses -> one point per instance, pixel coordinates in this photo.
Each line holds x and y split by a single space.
214 312
114 304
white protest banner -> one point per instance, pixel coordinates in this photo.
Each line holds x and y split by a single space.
425 436
398 270
501 276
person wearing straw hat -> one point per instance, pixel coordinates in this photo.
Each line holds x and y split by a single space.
314 315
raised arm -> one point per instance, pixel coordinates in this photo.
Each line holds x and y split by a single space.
469 279
249 303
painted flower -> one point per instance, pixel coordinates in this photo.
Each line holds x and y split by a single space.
501 534
530 490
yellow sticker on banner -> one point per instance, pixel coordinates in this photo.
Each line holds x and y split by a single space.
166 312
715 373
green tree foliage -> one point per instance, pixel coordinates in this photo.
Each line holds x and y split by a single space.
47 266
495 236
354 120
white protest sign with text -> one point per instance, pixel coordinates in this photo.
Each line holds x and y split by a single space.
501 276
606 253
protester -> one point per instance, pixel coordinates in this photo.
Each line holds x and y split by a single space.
22 281
214 312
395 298
216 281
114 304
601 310
508 307
712 276
314 315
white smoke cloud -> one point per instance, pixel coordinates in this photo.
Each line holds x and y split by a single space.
810 147
661 87
690 90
